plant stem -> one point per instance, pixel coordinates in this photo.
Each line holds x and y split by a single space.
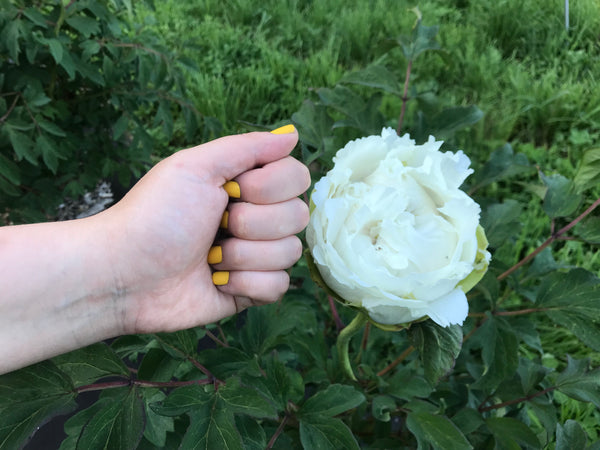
277 432
518 312
141 383
343 342
397 361
550 240
215 339
516 400
404 97
334 312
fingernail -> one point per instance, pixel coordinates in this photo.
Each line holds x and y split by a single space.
286 129
220 278
224 220
215 255
232 188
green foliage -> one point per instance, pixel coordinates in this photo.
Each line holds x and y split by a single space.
81 87
522 372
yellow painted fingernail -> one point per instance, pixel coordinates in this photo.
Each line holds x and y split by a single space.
220 278
224 220
286 129
215 255
232 188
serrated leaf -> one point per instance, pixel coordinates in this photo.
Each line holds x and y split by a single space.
561 198
580 383
375 76
499 351
512 433
86 365
334 400
212 427
570 436
245 400
119 424
30 397
572 300
588 173
326 433
438 431
438 347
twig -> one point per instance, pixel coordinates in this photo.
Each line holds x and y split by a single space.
397 361
278 431
516 400
12 106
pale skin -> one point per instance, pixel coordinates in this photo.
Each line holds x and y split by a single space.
141 266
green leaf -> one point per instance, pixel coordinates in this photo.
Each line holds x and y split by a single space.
224 362
375 76
438 431
30 397
561 199
86 365
51 128
572 300
444 124
158 365
406 384
314 124
84 25
119 424
501 221
326 433
511 433
570 435
334 400
246 400
468 420
578 382
182 400
9 170
56 49
212 427
502 164
588 173
382 406
421 40
10 37
589 230
438 347
499 351
253 435
157 426
120 127
36 17
22 145
47 148
180 344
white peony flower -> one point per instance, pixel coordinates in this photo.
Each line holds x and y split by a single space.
391 232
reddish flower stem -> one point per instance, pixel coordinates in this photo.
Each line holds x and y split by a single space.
141 383
339 325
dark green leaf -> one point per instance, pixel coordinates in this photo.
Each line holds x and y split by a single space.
580 383
86 365
84 25
450 120
334 400
501 221
421 40
183 399
499 351
30 397
406 384
47 148
502 164
588 174
158 365
438 431
382 406
438 347
375 76
589 230
51 128
313 123
10 37
212 426
120 127
253 435
119 424
326 433
22 145
157 426
511 433
245 400
9 170
572 300
36 17
180 344
570 436
224 362
468 420
561 199
56 49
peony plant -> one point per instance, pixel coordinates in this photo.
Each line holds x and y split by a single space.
393 235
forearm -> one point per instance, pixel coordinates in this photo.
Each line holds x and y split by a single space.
58 291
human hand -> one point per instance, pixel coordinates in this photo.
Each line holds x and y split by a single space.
161 233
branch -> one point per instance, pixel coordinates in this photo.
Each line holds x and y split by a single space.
516 400
12 106
277 432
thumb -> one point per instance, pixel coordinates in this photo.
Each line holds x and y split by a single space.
227 157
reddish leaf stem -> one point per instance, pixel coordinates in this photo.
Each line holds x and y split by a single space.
516 400
277 432
141 383
404 97
339 325
550 240
215 339
397 361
